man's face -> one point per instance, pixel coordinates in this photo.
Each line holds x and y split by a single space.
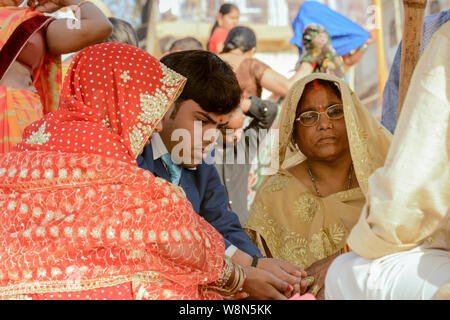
189 132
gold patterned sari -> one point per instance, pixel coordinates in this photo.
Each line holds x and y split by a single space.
290 223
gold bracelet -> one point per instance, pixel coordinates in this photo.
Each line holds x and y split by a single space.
228 290
239 283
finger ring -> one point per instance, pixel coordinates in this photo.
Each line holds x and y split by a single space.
314 290
310 280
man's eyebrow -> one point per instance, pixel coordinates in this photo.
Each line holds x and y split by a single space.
207 117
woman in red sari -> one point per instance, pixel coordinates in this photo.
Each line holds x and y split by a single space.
30 65
80 220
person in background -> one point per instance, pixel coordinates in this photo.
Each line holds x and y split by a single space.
238 149
187 43
327 41
165 43
210 96
329 144
252 74
401 244
30 70
227 19
390 94
122 32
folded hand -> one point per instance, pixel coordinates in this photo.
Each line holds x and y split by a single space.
318 270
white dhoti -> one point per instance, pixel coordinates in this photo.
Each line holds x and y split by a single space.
408 275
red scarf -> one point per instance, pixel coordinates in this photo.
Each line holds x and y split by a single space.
76 213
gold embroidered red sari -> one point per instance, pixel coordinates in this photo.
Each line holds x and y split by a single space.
78 218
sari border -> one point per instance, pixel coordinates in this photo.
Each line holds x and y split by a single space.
42 287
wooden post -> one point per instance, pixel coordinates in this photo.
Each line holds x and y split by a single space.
381 53
414 11
151 37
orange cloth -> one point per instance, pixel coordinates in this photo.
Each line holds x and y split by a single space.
79 217
18 108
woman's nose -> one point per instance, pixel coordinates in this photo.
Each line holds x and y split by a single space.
324 122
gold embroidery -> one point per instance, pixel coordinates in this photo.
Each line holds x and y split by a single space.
76 285
153 107
39 137
283 243
306 206
276 183
325 243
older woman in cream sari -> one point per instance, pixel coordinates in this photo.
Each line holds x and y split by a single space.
329 146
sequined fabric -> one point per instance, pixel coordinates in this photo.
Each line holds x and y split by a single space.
78 217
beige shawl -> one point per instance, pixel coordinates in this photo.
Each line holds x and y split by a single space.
296 225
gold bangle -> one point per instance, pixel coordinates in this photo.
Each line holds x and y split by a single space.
221 283
228 290
240 283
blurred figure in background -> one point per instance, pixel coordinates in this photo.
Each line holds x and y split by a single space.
252 74
123 32
187 43
30 68
241 145
227 18
165 43
327 41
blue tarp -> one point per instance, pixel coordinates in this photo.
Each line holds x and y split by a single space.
346 35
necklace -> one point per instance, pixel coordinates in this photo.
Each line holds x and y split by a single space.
349 179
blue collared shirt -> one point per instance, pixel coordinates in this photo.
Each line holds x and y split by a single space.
390 95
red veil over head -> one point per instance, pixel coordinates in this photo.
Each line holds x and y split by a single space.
77 214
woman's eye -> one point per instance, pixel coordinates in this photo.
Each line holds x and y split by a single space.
335 111
308 116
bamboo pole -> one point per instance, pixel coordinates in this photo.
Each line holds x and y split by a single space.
381 53
414 11
150 46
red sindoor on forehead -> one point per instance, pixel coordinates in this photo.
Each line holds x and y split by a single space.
316 84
